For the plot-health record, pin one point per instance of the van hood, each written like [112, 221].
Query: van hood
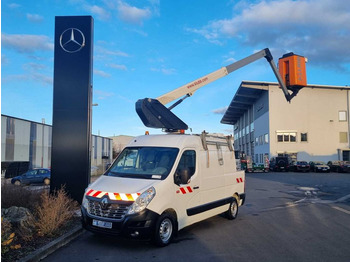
[122, 184]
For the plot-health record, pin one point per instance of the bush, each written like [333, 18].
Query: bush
[19, 196]
[53, 212]
[7, 237]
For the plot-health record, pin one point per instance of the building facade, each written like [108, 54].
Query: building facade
[314, 126]
[24, 140]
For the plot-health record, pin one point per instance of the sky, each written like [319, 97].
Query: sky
[150, 47]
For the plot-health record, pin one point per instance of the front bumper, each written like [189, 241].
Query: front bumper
[140, 225]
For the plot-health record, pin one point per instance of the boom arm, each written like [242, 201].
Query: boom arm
[191, 87]
[154, 114]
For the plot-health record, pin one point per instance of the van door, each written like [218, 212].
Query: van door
[187, 194]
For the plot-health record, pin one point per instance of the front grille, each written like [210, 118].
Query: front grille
[113, 211]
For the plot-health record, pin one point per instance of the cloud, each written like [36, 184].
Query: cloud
[132, 14]
[32, 72]
[318, 29]
[34, 18]
[104, 51]
[100, 12]
[119, 67]
[14, 5]
[101, 73]
[102, 94]
[220, 111]
[27, 43]
[44, 79]
[34, 67]
[165, 71]
[36, 77]
[4, 60]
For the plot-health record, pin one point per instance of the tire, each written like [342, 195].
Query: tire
[17, 183]
[232, 211]
[47, 181]
[164, 230]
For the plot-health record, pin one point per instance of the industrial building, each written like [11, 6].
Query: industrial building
[24, 140]
[314, 126]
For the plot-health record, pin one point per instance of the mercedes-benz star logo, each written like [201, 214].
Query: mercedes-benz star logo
[72, 40]
[104, 203]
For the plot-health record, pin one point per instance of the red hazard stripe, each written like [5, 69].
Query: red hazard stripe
[88, 193]
[183, 191]
[189, 189]
[97, 193]
[241, 179]
[237, 180]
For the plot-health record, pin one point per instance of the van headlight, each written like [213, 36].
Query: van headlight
[142, 201]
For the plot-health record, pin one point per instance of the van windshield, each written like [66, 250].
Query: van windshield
[144, 162]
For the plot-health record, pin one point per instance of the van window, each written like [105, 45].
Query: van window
[187, 161]
[144, 162]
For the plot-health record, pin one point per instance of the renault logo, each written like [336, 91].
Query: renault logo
[104, 203]
[72, 40]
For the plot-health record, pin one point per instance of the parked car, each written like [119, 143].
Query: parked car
[300, 166]
[38, 175]
[339, 166]
[319, 166]
[279, 163]
[257, 168]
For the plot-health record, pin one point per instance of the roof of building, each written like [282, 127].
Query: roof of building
[249, 91]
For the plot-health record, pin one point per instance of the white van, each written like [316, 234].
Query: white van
[160, 184]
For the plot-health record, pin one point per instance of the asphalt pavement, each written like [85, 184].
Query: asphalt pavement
[286, 217]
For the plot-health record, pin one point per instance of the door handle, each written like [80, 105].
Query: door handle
[195, 187]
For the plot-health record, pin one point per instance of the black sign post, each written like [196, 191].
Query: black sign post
[71, 124]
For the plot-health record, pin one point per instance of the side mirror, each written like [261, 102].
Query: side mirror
[182, 176]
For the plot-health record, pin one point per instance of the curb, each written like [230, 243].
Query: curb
[51, 247]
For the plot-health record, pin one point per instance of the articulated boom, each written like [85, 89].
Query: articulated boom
[154, 114]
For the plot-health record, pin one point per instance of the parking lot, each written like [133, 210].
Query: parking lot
[286, 217]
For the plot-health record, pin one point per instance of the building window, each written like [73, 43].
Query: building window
[303, 137]
[279, 137]
[260, 140]
[257, 141]
[293, 137]
[266, 138]
[343, 137]
[342, 116]
[287, 137]
[252, 127]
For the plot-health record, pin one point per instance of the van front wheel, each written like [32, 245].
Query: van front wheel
[232, 211]
[164, 230]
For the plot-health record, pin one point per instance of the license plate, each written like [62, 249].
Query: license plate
[103, 224]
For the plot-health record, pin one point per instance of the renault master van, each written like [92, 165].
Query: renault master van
[160, 184]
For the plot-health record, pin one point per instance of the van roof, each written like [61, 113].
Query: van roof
[167, 140]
